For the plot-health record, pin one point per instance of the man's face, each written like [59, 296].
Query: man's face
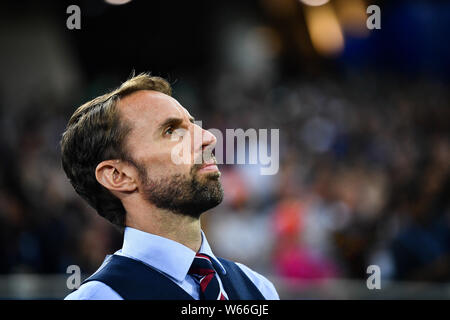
[160, 129]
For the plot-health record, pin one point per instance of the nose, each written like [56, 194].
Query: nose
[204, 141]
[208, 140]
[203, 144]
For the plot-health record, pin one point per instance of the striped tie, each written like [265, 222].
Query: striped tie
[203, 269]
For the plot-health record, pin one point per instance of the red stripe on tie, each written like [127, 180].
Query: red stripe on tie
[199, 255]
[205, 281]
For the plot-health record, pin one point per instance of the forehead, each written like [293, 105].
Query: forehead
[150, 108]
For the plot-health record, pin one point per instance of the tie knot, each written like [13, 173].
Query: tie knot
[201, 265]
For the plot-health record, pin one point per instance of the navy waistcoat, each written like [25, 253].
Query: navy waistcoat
[134, 280]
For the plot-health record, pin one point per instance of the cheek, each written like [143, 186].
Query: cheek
[183, 152]
[160, 165]
[160, 158]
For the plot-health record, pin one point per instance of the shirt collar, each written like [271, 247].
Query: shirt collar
[165, 255]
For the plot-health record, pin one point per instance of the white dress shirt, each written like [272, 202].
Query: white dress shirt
[168, 257]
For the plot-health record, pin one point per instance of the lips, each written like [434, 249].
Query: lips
[207, 163]
[209, 167]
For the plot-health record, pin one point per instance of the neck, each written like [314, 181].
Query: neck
[180, 228]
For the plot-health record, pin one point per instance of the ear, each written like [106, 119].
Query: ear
[116, 175]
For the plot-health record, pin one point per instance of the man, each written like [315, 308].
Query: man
[118, 152]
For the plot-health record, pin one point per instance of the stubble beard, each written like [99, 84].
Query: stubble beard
[189, 195]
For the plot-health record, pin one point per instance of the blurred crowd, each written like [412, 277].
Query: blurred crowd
[363, 179]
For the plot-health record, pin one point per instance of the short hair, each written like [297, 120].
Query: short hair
[96, 132]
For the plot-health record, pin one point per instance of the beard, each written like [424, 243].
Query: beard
[188, 195]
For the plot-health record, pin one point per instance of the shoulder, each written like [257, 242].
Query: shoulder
[94, 290]
[262, 283]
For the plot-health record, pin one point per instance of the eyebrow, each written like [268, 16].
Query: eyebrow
[175, 122]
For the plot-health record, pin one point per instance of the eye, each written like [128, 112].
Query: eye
[169, 130]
